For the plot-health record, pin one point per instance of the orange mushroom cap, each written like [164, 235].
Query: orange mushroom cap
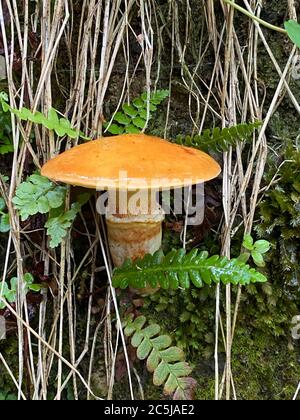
[131, 161]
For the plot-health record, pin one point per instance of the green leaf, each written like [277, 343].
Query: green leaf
[258, 258]
[122, 118]
[28, 278]
[4, 223]
[37, 117]
[129, 110]
[159, 96]
[143, 114]
[151, 330]
[60, 131]
[61, 126]
[161, 373]
[14, 284]
[57, 227]
[5, 107]
[131, 129]
[153, 360]
[115, 129]
[139, 322]
[35, 287]
[145, 96]
[129, 329]
[218, 140]
[244, 257]
[65, 124]
[196, 266]
[4, 97]
[64, 127]
[196, 278]
[171, 385]
[248, 242]
[11, 296]
[53, 117]
[57, 230]
[181, 369]
[43, 205]
[293, 30]
[25, 114]
[4, 289]
[165, 362]
[139, 122]
[38, 195]
[144, 349]
[2, 204]
[172, 354]
[133, 117]
[262, 246]
[137, 339]
[138, 103]
[56, 197]
[161, 342]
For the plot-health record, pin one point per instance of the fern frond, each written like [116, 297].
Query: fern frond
[179, 269]
[133, 117]
[167, 363]
[52, 121]
[219, 140]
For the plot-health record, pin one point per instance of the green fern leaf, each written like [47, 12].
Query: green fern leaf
[38, 195]
[165, 362]
[57, 227]
[129, 110]
[133, 117]
[178, 269]
[61, 126]
[218, 140]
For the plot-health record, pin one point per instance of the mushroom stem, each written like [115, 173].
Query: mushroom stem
[135, 234]
[133, 237]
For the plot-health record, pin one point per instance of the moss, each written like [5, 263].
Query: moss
[264, 367]
[9, 348]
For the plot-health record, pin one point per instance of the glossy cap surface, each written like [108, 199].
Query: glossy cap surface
[131, 161]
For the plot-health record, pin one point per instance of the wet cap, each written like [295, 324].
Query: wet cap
[135, 161]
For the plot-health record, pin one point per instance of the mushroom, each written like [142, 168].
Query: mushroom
[132, 168]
